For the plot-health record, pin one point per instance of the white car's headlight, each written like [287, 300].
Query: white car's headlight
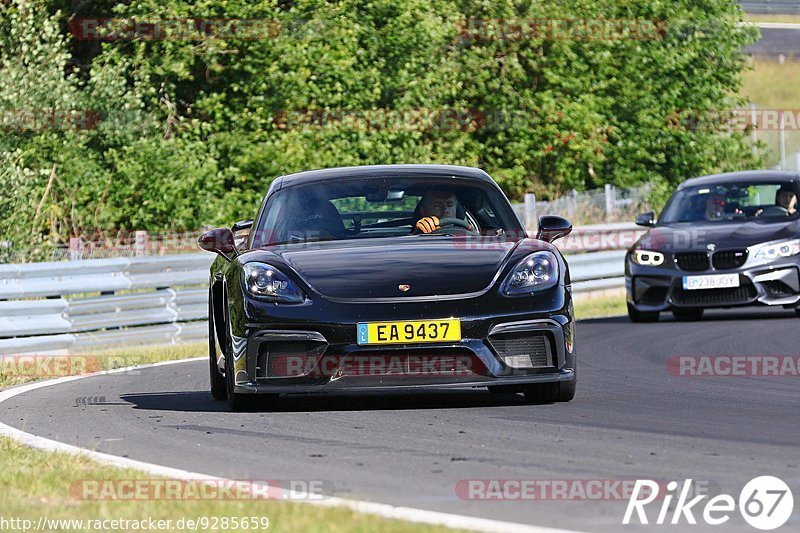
[781, 249]
[537, 271]
[266, 282]
[647, 258]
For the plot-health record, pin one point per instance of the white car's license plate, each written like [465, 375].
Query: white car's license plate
[714, 281]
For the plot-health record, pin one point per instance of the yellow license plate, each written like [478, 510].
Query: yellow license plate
[414, 331]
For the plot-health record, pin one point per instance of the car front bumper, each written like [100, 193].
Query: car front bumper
[651, 288]
[330, 359]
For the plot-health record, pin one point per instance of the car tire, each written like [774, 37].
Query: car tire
[688, 315]
[797, 311]
[642, 316]
[540, 393]
[219, 389]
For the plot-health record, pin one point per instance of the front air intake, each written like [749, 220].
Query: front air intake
[523, 349]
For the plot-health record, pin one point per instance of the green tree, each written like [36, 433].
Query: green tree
[192, 131]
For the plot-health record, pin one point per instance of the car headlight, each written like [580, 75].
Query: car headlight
[537, 271]
[267, 282]
[781, 249]
[647, 258]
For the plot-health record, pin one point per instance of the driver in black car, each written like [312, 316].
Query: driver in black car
[435, 205]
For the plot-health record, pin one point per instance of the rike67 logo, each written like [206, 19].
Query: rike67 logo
[765, 503]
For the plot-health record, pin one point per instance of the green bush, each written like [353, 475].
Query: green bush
[192, 132]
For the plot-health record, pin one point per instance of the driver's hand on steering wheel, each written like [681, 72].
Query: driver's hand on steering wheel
[428, 224]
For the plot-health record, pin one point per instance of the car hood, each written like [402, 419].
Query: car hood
[376, 268]
[723, 235]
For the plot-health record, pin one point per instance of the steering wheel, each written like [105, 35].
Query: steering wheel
[775, 211]
[455, 222]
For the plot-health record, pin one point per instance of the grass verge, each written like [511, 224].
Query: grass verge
[757, 17]
[40, 485]
[611, 303]
[772, 85]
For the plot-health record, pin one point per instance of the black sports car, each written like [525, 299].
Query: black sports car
[722, 241]
[384, 278]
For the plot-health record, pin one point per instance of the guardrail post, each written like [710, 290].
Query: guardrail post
[75, 248]
[572, 203]
[782, 139]
[530, 212]
[611, 200]
[140, 243]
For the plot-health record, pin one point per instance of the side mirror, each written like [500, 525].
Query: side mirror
[552, 228]
[219, 241]
[648, 220]
[242, 224]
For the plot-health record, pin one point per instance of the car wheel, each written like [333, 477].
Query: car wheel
[688, 315]
[549, 392]
[642, 316]
[797, 311]
[219, 389]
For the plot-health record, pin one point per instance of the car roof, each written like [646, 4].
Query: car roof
[330, 174]
[743, 176]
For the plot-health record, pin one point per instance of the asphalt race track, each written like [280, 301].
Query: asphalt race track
[631, 419]
[776, 41]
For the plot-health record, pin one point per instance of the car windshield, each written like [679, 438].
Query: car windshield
[757, 200]
[377, 207]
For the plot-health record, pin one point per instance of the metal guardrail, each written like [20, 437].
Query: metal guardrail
[162, 300]
[168, 303]
[597, 271]
[789, 7]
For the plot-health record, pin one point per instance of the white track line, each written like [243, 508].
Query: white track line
[778, 25]
[408, 514]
